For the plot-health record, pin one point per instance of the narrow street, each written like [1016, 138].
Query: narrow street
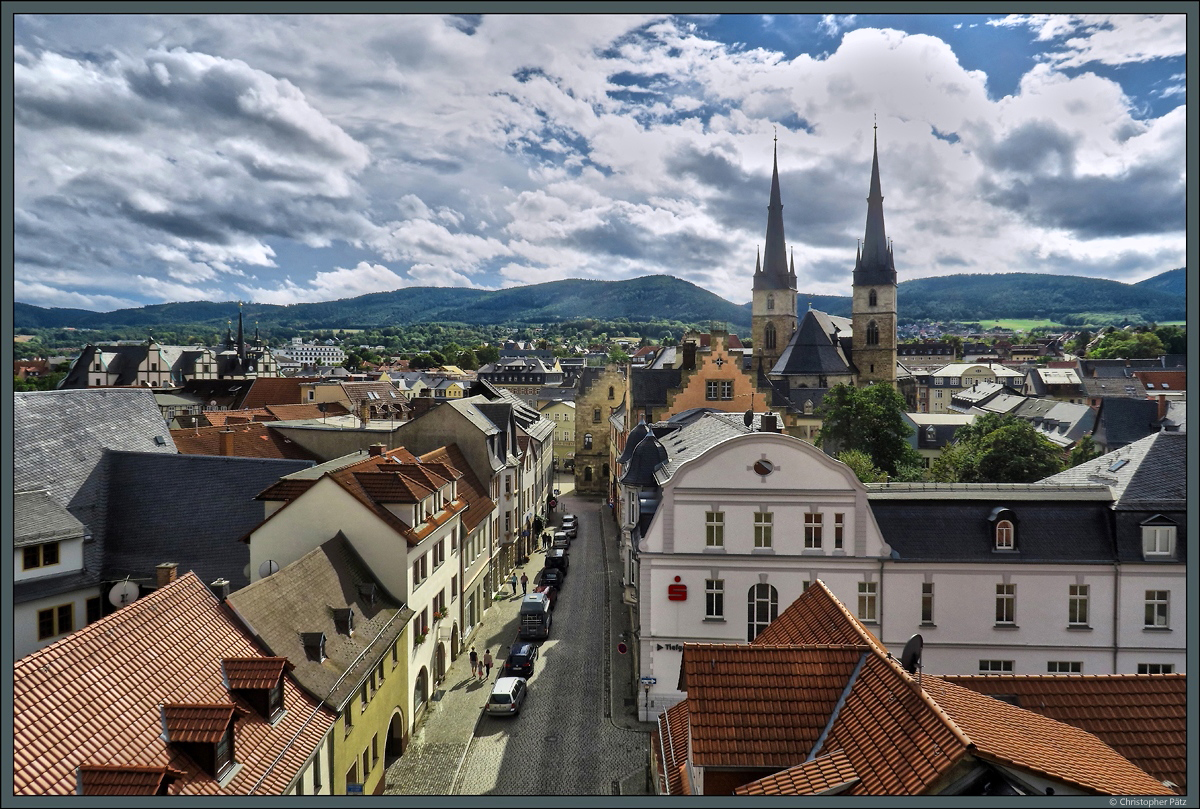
[578, 733]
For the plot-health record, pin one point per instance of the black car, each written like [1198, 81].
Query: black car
[553, 577]
[519, 662]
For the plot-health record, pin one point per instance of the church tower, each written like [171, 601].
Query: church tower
[873, 310]
[773, 304]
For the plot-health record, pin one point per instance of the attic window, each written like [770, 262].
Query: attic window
[343, 621]
[96, 780]
[1165, 386]
[1117, 464]
[314, 645]
[204, 731]
[1004, 530]
[258, 680]
[367, 592]
[1158, 537]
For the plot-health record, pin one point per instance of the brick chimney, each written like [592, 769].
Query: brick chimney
[166, 573]
[689, 356]
[220, 588]
[364, 412]
[768, 423]
[376, 450]
[1163, 406]
[226, 437]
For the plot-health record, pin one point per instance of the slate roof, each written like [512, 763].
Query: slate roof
[1141, 716]
[813, 349]
[768, 702]
[1060, 423]
[1124, 420]
[38, 518]
[95, 697]
[1154, 474]
[193, 512]
[254, 440]
[648, 387]
[1114, 387]
[74, 472]
[301, 598]
[921, 528]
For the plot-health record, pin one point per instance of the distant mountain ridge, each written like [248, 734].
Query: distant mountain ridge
[652, 297]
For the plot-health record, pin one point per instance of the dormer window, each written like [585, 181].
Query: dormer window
[1004, 529]
[343, 621]
[1158, 537]
[258, 680]
[314, 645]
[204, 731]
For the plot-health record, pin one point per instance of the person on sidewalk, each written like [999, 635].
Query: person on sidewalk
[512, 580]
[474, 661]
[524, 583]
[487, 661]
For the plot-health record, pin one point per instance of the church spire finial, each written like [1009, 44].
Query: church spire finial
[757, 260]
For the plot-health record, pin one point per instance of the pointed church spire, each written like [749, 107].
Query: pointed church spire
[775, 268]
[757, 260]
[875, 265]
[241, 345]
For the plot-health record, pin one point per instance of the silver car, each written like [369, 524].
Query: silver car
[508, 695]
[570, 524]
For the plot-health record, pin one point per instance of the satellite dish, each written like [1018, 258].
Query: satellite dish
[267, 568]
[748, 418]
[910, 658]
[122, 593]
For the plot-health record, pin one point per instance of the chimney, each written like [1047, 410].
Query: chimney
[1162, 407]
[220, 588]
[376, 450]
[768, 423]
[364, 412]
[226, 442]
[689, 356]
[166, 573]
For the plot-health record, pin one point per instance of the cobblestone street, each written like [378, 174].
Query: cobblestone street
[578, 733]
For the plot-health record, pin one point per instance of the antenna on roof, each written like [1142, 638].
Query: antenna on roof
[910, 658]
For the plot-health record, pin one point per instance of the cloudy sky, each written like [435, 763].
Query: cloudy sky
[285, 159]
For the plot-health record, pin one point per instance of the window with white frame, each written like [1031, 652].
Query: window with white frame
[812, 531]
[1006, 604]
[714, 529]
[712, 390]
[995, 667]
[762, 607]
[867, 602]
[839, 531]
[763, 521]
[1158, 540]
[1158, 604]
[727, 389]
[714, 599]
[926, 602]
[1004, 535]
[1077, 605]
[1064, 667]
[1156, 668]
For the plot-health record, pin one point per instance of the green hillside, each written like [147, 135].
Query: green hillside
[1172, 282]
[967, 298]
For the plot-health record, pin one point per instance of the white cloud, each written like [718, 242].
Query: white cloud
[1112, 39]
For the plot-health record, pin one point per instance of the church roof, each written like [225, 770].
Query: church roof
[774, 272]
[875, 264]
[812, 349]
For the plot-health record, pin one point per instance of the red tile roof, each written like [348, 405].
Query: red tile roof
[197, 722]
[94, 697]
[126, 780]
[767, 705]
[669, 746]
[255, 440]
[823, 775]
[253, 672]
[220, 418]
[294, 412]
[1141, 716]
[277, 390]
[479, 501]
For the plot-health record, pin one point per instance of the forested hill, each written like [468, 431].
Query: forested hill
[653, 297]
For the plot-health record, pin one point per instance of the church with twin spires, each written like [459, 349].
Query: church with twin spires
[802, 358]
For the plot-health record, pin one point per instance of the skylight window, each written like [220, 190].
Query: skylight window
[1117, 464]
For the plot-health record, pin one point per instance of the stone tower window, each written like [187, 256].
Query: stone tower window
[872, 299]
[769, 335]
[770, 302]
[872, 329]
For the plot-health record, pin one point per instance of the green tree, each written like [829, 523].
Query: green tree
[869, 419]
[997, 449]
[1174, 339]
[1119, 344]
[1079, 345]
[487, 354]
[1085, 449]
[468, 361]
[618, 356]
[860, 463]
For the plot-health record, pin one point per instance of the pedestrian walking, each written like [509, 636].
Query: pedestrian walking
[474, 661]
[512, 580]
[524, 583]
[482, 675]
[487, 661]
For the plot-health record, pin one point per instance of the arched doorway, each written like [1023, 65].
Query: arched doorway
[421, 690]
[440, 662]
[454, 647]
[397, 738]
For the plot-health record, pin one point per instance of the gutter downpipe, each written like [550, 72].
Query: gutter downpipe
[1116, 611]
[881, 560]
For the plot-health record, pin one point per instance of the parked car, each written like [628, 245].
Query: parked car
[558, 558]
[570, 524]
[561, 540]
[552, 577]
[519, 662]
[551, 593]
[508, 695]
[535, 616]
